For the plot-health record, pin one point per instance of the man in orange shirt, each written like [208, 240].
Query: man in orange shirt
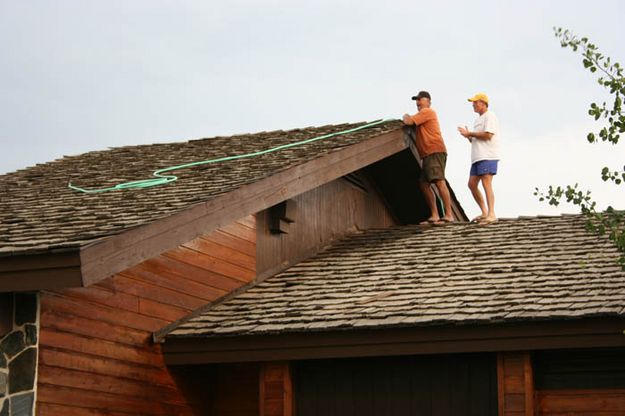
[433, 153]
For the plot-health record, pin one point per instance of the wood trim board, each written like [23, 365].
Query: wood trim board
[400, 341]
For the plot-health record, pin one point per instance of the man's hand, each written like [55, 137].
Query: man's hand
[465, 132]
[407, 119]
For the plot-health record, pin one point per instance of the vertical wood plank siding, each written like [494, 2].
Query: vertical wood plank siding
[96, 355]
[515, 384]
[434, 385]
[322, 215]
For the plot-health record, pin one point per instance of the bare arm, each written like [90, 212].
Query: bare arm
[407, 119]
[482, 135]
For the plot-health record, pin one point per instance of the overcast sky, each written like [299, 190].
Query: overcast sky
[86, 75]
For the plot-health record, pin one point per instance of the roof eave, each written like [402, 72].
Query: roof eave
[529, 335]
[44, 270]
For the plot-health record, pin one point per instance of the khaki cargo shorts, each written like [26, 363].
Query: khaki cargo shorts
[433, 168]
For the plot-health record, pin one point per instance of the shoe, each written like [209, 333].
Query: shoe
[487, 221]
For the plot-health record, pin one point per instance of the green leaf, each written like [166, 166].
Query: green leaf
[611, 222]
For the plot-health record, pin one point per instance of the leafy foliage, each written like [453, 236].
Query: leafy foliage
[610, 222]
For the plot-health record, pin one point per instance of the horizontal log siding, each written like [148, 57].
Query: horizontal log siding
[96, 354]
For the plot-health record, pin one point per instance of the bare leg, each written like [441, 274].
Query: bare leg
[487, 183]
[477, 195]
[429, 199]
[444, 191]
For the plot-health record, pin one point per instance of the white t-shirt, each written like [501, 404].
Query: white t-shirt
[485, 149]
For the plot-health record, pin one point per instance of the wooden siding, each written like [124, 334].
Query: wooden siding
[323, 215]
[515, 384]
[580, 382]
[436, 385]
[96, 354]
[595, 402]
[577, 369]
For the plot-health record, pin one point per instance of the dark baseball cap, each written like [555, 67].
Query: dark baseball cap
[421, 95]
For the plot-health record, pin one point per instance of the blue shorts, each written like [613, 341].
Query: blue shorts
[484, 167]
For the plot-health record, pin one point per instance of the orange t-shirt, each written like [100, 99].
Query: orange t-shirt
[429, 138]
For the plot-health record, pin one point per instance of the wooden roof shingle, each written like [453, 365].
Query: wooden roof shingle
[39, 213]
[539, 268]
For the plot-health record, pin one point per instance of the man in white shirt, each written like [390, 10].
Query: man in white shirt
[484, 141]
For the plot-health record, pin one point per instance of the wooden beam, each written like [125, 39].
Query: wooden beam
[26, 280]
[500, 385]
[275, 389]
[40, 271]
[515, 383]
[528, 372]
[44, 260]
[401, 341]
[117, 253]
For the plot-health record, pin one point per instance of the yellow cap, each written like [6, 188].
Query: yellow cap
[480, 96]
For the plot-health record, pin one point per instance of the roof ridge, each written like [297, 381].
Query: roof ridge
[185, 141]
[267, 132]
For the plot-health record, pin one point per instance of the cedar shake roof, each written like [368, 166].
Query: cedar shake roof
[542, 268]
[39, 213]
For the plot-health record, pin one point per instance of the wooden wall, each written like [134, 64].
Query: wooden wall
[96, 355]
[580, 382]
[323, 215]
